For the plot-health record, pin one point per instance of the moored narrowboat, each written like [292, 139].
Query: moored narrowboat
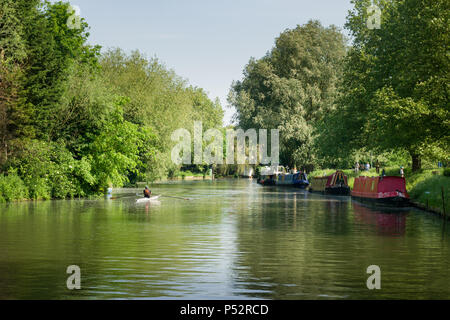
[301, 180]
[279, 177]
[335, 184]
[268, 175]
[381, 191]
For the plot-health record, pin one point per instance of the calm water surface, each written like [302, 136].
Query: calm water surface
[233, 240]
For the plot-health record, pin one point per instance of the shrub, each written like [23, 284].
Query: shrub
[447, 172]
[12, 188]
[50, 171]
[186, 173]
[61, 186]
[39, 189]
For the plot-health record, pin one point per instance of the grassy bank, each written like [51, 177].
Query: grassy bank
[424, 187]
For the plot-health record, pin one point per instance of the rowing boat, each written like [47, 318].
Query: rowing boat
[143, 200]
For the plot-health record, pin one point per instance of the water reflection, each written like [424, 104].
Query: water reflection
[386, 222]
[234, 240]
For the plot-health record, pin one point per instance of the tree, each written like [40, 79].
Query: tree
[292, 88]
[12, 57]
[72, 126]
[118, 149]
[159, 100]
[53, 48]
[396, 83]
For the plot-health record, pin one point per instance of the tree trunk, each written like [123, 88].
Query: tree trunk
[416, 162]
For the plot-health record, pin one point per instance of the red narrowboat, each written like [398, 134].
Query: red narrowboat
[381, 191]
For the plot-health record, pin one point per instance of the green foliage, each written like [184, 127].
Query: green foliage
[117, 149]
[292, 88]
[447, 172]
[394, 93]
[12, 56]
[72, 125]
[12, 188]
[52, 49]
[49, 170]
[187, 173]
[426, 188]
[12, 44]
[159, 100]
[82, 110]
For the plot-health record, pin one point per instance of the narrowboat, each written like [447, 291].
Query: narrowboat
[381, 191]
[335, 184]
[279, 177]
[267, 176]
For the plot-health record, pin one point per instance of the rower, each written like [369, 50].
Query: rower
[147, 192]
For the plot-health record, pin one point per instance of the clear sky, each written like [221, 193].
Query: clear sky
[207, 42]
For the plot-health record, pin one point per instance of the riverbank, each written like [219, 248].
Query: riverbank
[424, 187]
[14, 189]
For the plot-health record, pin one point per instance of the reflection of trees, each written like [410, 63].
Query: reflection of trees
[309, 248]
[254, 241]
[290, 246]
[119, 252]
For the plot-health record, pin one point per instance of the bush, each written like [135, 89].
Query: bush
[50, 171]
[187, 173]
[12, 188]
[61, 186]
[447, 172]
[39, 189]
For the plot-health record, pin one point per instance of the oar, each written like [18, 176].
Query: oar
[119, 197]
[187, 199]
[175, 197]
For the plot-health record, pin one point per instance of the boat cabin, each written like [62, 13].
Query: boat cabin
[389, 190]
[336, 184]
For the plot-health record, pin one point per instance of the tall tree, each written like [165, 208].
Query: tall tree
[158, 99]
[395, 91]
[12, 57]
[292, 88]
[53, 48]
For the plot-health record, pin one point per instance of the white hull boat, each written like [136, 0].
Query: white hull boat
[143, 200]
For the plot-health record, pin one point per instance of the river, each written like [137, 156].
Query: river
[233, 240]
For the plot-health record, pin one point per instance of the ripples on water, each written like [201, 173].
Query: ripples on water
[233, 240]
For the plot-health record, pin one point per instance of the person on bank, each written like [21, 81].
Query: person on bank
[377, 166]
[147, 192]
